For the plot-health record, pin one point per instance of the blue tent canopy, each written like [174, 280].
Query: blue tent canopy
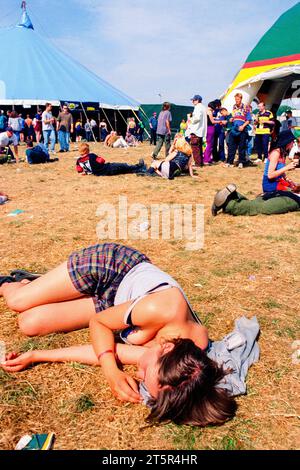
[34, 71]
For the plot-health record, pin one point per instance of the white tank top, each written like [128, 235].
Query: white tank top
[142, 280]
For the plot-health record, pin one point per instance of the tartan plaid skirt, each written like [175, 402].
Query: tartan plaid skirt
[98, 270]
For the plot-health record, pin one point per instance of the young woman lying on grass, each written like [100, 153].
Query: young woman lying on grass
[177, 162]
[111, 287]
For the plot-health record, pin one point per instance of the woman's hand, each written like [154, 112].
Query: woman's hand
[124, 387]
[15, 362]
[290, 166]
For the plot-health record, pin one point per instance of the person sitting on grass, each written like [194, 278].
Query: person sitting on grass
[178, 161]
[36, 154]
[111, 287]
[130, 140]
[274, 178]
[110, 139]
[92, 164]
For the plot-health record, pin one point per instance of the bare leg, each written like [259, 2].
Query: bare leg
[57, 317]
[55, 286]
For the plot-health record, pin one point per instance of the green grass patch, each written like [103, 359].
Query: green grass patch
[271, 303]
[185, 437]
[230, 443]
[46, 342]
[84, 403]
[17, 395]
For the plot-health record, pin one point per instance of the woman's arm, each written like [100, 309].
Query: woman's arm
[171, 155]
[122, 385]
[16, 362]
[190, 168]
[211, 118]
[272, 172]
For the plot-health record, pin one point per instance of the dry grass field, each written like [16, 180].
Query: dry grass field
[248, 266]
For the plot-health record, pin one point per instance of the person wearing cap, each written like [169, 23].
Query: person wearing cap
[6, 139]
[274, 178]
[153, 128]
[163, 130]
[289, 123]
[197, 129]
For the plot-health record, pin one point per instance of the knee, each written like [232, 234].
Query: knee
[28, 324]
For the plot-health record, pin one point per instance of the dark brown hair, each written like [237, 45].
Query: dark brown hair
[189, 392]
[166, 106]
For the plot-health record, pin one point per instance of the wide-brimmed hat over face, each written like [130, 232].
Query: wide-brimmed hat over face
[284, 138]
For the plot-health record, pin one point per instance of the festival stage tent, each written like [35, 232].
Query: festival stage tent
[34, 71]
[272, 70]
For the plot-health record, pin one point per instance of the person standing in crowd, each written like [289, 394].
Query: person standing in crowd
[65, 127]
[78, 130]
[103, 130]
[48, 128]
[94, 126]
[218, 130]
[211, 121]
[15, 123]
[38, 126]
[3, 121]
[289, 123]
[197, 129]
[29, 130]
[140, 131]
[131, 126]
[6, 138]
[153, 128]
[163, 130]
[183, 127]
[22, 132]
[88, 131]
[238, 137]
[264, 125]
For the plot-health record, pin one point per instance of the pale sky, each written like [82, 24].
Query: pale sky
[150, 47]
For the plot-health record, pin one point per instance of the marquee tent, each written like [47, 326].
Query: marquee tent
[272, 70]
[34, 71]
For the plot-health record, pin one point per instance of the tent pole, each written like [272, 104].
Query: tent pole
[140, 121]
[115, 116]
[86, 117]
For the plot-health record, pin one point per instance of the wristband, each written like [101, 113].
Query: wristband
[104, 352]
